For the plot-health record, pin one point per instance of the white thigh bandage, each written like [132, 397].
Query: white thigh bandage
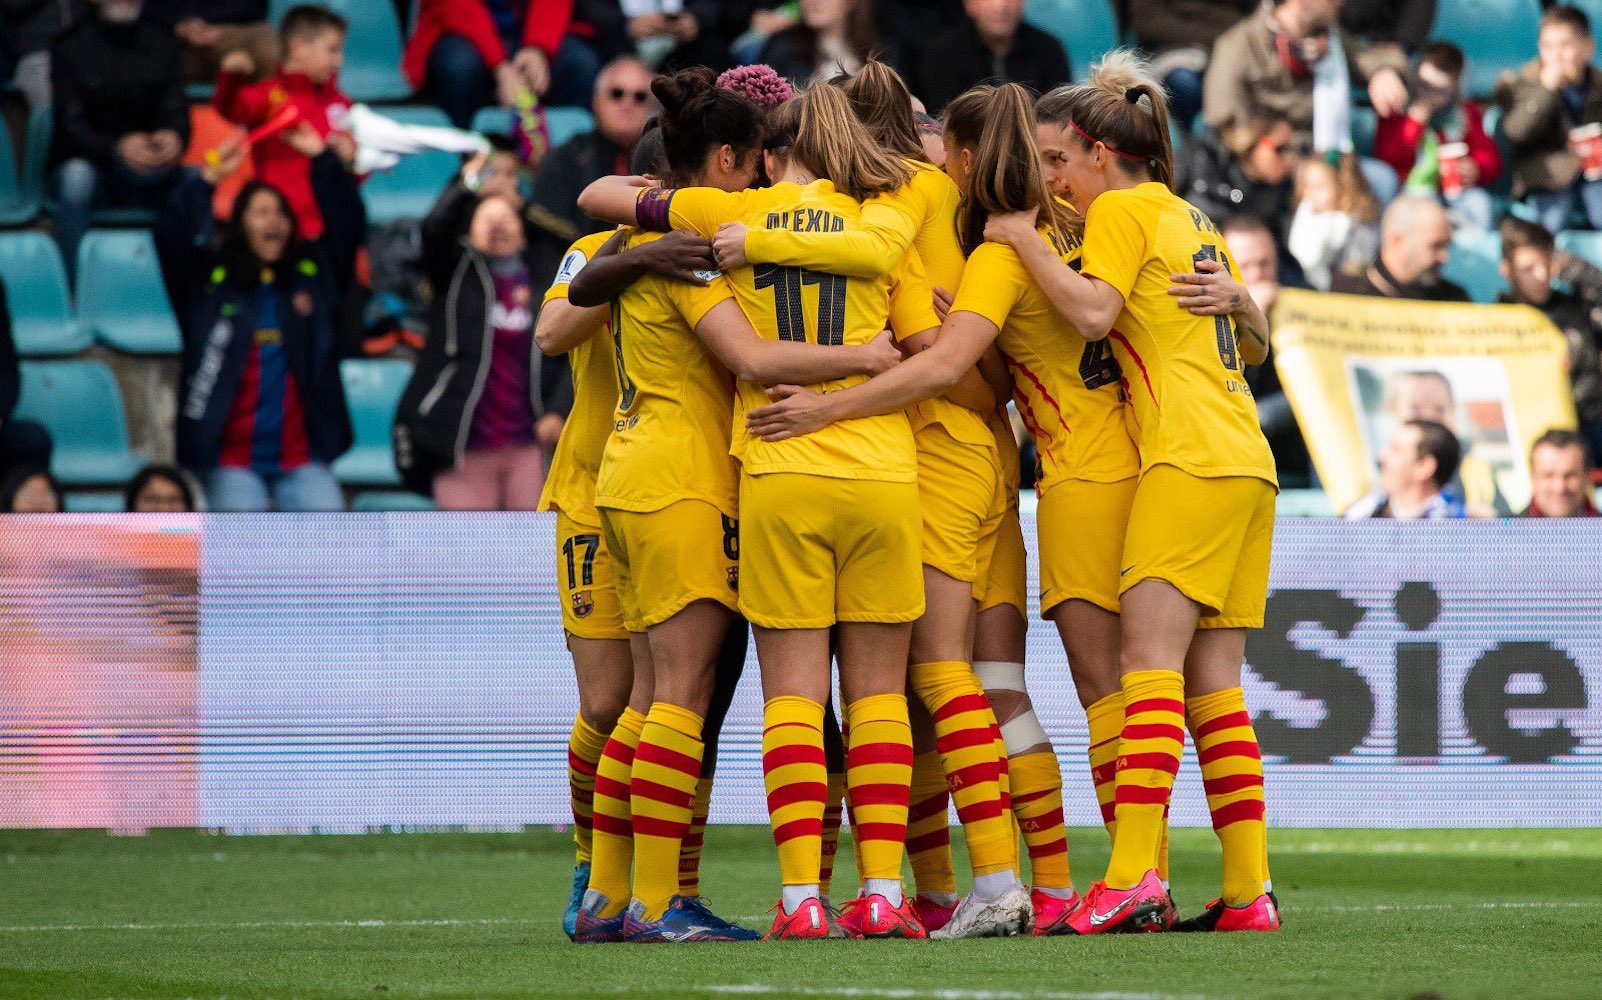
[1025, 731]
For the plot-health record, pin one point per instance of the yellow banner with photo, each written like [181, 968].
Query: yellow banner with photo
[1354, 368]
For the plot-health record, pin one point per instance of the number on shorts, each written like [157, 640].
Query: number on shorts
[585, 571]
[731, 539]
[786, 283]
[1222, 326]
[1097, 366]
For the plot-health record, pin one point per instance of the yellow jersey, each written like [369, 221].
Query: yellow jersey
[796, 304]
[1186, 380]
[670, 430]
[1067, 391]
[570, 485]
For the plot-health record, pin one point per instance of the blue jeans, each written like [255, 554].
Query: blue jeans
[1184, 95]
[82, 187]
[1553, 208]
[312, 487]
[460, 83]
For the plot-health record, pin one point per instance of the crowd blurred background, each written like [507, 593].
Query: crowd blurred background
[192, 321]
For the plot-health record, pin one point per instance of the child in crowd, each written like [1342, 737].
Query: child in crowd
[1336, 223]
[1439, 144]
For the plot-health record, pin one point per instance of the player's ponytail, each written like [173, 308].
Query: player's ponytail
[1122, 106]
[882, 101]
[698, 117]
[824, 136]
[997, 126]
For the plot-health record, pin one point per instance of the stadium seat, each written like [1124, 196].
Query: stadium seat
[372, 49]
[385, 501]
[121, 298]
[565, 123]
[1365, 123]
[409, 189]
[1086, 28]
[493, 121]
[1303, 503]
[372, 390]
[94, 503]
[78, 402]
[18, 204]
[1474, 264]
[1495, 35]
[1585, 244]
[42, 322]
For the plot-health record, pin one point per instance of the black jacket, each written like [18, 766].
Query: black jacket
[553, 212]
[32, 25]
[436, 410]
[1377, 282]
[1578, 313]
[1405, 22]
[110, 80]
[215, 307]
[170, 12]
[1213, 179]
[10, 370]
[957, 59]
[794, 58]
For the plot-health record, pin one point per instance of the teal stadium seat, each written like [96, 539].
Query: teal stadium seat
[410, 188]
[121, 298]
[42, 322]
[1585, 244]
[1365, 123]
[388, 501]
[79, 404]
[562, 123]
[372, 48]
[372, 391]
[1086, 28]
[1474, 264]
[94, 503]
[1495, 35]
[18, 204]
[493, 121]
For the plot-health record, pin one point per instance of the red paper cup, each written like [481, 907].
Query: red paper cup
[1452, 156]
[1586, 141]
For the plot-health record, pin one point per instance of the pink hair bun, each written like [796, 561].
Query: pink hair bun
[759, 84]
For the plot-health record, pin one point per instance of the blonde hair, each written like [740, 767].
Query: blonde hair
[998, 125]
[826, 136]
[1123, 107]
[880, 98]
[1353, 196]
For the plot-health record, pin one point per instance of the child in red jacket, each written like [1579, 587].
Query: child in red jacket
[1439, 144]
[314, 49]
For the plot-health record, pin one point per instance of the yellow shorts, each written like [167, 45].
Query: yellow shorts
[963, 498]
[1210, 538]
[590, 608]
[815, 551]
[665, 559]
[1008, 579]
[1082, 530]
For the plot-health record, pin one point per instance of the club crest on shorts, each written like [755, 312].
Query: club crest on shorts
[734, 578]
[583, 604]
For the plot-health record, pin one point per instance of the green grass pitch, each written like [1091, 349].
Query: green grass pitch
[1368, 914]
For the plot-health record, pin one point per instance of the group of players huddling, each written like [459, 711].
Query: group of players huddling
[791, 365]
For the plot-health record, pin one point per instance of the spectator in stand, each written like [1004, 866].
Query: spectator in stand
[1387, 31]
[1245, 169]
[1531, 263]
[484, 407]
[122, 120]
[1266, 66]
[468, 54]
[1415, 468]
[261, 408]
[992, 44]
[1560, 477]
[210, 29]
[32, 26]
[1415, 241]
[1440, 145]
[159, 489]
[1336, 226]
[1180, 34]
[313, 40]
[768, 18]
[622, 105]
[23, 443]
[832, 37]
[1549, 105]
[31, 490]
[666, 34]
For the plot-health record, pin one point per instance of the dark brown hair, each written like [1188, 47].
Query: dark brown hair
[1122, 106]
[698, 116]
[1517, 234]
[308, 21]
[1562, 437]
[998, 125]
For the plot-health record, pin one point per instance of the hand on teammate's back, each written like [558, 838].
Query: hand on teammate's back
[1210, 290]
[680, 255]
[1012, 228]
[730, 245]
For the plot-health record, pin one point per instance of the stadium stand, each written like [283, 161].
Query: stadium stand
[1475, 264]
[19, 202]
[1490, 53]
[121, 299]
[79, 403]
[42, 319]
[1585, 244]
[372, 48]
[407, 190]
[562, 123]
[372, 390]
[1086, 28]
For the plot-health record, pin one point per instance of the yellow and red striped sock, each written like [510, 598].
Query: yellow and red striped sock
[1232, 774]
[965, 739]
[797, 782]
[584, 748]
[667, 768]
[879, 779]
[612, 848]
[929, 827]
[1106, 720]
[690, 850]
[1148, 758]
[1003, 777]
[1037, 804]
[832, 808]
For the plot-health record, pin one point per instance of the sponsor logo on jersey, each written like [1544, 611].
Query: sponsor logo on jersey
[572, 264]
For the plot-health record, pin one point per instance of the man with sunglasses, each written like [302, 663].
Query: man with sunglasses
[621, 103]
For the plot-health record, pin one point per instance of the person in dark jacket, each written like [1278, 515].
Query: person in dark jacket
[31, 28]
[122, 119]
[23, 443]
[832, 37]
[1245, 170]
[1415, 241]
[992, 44]
[1180, 34]
[208, 30]
[484, 406]
[1387, 31]
[261, 408]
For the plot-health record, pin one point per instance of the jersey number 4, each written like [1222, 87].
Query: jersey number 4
[1222, 326]
[787, 283]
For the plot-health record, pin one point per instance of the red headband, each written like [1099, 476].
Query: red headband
[1111, 149]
